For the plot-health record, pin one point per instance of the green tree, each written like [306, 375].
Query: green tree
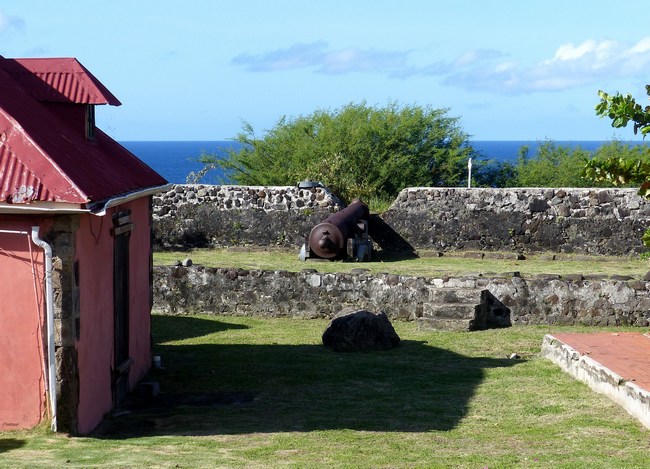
[552, 166]
[627, 167]
[493, 173]
[357, 151]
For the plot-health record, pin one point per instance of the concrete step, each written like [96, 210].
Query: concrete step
[455, 295]
[448, 317]
[442, 324]
[450, 311]
[454, 309]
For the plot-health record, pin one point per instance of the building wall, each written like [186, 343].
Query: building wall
[23, 400]
[94, 254]
[140, 290]
[94, 251]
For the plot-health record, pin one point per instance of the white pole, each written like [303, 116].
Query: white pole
[469, 173]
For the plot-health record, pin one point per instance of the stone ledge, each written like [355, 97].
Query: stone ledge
[634, 399]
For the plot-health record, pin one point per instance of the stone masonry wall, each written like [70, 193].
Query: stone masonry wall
[589, 221]
[211, 216]
[310, 294]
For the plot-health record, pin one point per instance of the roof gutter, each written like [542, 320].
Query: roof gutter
[101, 208]
[97, 208]
[36, 209]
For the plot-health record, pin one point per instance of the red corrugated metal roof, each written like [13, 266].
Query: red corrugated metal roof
[19, 184]
[59, 80]
[44, 159]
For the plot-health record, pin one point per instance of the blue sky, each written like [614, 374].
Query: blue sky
[194, 70]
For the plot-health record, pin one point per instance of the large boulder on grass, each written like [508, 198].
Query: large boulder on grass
[355, 331]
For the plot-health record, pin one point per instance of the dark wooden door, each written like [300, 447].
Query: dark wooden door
[122, 362]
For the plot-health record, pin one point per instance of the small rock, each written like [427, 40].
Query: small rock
[538, 205]
[360, 331]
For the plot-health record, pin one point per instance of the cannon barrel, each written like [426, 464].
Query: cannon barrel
[329, 238]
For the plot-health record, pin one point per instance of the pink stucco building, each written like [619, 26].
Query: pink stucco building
[75, 255]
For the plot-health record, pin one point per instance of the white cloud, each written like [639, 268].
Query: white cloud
[641, 47]
[474, 57]
[589, 62]
[317, 55]
[360, 60]
[571, 65]
[296, 56]
[504, 67]
[8, 23]
[572, 52]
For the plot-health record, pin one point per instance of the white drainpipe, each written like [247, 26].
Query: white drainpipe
[49, 310]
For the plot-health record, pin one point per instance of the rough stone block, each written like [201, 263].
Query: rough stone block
[356, 331]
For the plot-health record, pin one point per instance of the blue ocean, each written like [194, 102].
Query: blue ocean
[174, 160]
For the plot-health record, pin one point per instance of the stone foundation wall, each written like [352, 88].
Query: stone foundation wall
[310, 294]
[589, 221]
[213, 216]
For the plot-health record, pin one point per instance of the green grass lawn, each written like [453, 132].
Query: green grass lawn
[426, 265]
[252, 392]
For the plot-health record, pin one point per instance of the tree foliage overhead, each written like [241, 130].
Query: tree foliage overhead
[622, 109]
[625, 168]
[357, 151]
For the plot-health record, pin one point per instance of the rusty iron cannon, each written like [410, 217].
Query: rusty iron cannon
[342, 234]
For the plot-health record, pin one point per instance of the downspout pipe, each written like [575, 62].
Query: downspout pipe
[49, 311]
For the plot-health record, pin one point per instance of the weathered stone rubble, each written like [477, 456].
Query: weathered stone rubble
[545, 299]
[588, 221]
[210, 216]
[358, 331]
[233, 197]
[591, 221]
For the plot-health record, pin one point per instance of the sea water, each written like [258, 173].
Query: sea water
[175, 160]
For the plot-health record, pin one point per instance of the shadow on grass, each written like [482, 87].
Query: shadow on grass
[211, 389]
[7, 444]
[169, 328]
